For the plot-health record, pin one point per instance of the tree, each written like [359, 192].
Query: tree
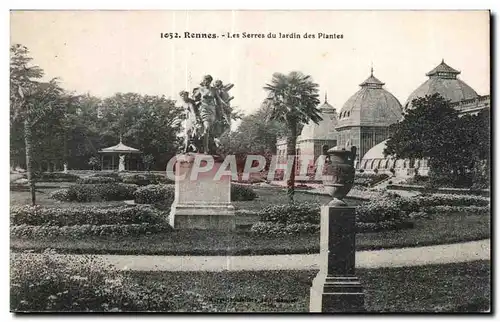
[293, 101]
[149, 123]
[31, 101]
[435, 131]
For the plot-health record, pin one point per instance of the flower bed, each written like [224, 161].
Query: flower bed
[242, 193]
[37, 215]
[164, 194]
[95, 192]
[95, 180]
[378, 215]
[368, 179]
[48, 283]
[56, 177]
[144, 179]
[84, 231]
[153, 194]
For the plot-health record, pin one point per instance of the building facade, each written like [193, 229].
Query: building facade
[442, 80]
[365, 118]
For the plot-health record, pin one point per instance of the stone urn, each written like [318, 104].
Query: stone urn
[338, 174]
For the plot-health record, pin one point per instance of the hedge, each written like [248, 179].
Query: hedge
[280, 229]
[56, 177]
[368, 179]
[152, 194]
[95, 192]
[164, 194]
[84, 231]
[377, 215]
[95, 180]
[48, 283]
[114, 175]
[37, 215]
[144, 179]
[242, 193]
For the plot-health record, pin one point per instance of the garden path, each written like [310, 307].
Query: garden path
[439, 254]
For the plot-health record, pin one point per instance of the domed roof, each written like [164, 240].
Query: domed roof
[443, 80]
[325, 129]
[372, 105]
[376, 152]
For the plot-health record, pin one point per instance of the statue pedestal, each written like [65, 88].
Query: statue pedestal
[203, 202]
[336, 288]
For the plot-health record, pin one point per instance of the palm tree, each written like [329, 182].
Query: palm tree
[293, 100]
[30, 101]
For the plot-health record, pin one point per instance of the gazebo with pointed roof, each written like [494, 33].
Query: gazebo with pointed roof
[122, 151]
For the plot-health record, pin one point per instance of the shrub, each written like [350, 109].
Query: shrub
[152, 194]
[381, 210]
[377, 215]
[291, 213]
[114, 175]
[242, 193]
[84, 231]
[56, 177]
[95, 180]
[96, 192]
[37, 215]
[144, 179]
[280, 229]
[60, 194]
[47, 283]
[418, 202]
[368, 179]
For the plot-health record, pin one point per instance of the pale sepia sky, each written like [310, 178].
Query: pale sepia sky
[103, 52]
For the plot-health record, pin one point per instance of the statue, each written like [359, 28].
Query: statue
[208, 115]
[192, 127]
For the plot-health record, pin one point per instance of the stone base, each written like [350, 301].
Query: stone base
[203, 216]
[336, 294]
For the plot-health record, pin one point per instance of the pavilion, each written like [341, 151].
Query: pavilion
[124, 154]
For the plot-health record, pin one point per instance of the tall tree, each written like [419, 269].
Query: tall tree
[31, 101]
[293, 100]
[435, 131]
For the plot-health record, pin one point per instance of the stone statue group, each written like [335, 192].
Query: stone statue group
[208, 115]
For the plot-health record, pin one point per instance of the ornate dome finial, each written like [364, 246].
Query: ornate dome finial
[442, 60]
[371, 70]
[326, 97]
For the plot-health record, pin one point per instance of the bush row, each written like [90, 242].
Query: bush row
[281, 229]
[153, 194]
[96, 180]
[56, 177]
[242, 193]
[381, 214]
[84, 231]
[95, 192]
[140, 179]
[48, 283]
[37, 215]
[368, 179]
[164, 194]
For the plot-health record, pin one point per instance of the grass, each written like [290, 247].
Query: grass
[432, 288]
[442, 229]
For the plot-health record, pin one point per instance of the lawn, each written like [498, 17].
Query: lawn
[459, 287]
[433, 288]
[442, 229]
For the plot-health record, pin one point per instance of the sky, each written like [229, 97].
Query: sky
[104, 52]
